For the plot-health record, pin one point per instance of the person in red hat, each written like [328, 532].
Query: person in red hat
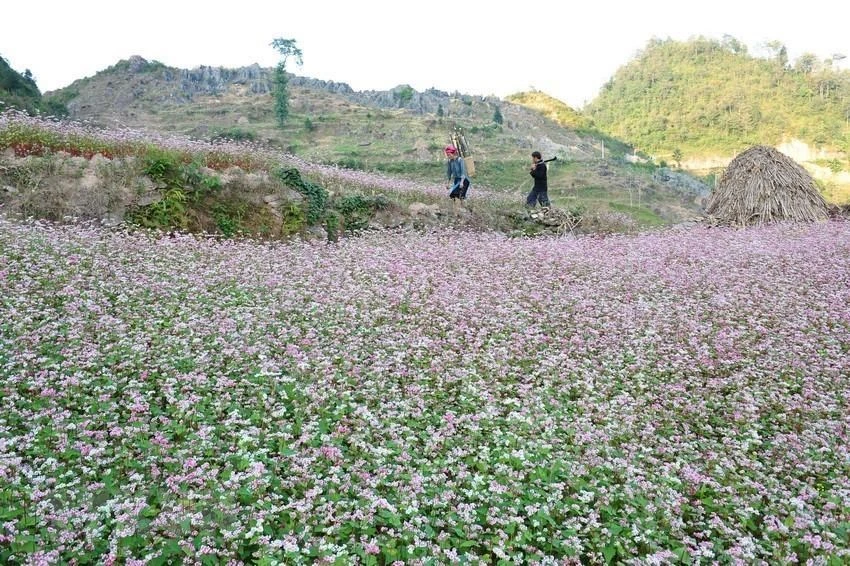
[458, 180]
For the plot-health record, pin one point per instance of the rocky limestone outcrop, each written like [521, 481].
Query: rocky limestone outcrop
[181, 85]
[215, 80]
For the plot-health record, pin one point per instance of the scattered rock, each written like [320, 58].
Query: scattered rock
[144, 185]
[137, 64]
[390, 218]
[292, 194]
[256, 180]
[316, 234]
[10, 190]
[149, 198]
[215, 80]
[422, 209]
[274, 199]
[275, 211]
[112, 220]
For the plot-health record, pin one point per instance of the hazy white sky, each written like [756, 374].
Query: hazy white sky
[567, 49]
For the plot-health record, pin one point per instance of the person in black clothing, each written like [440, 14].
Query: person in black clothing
[540, 191]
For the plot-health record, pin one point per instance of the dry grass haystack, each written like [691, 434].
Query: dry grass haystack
[762, 185]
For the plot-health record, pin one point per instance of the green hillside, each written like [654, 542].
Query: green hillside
[706, 97]
[20, 91]
[551, 108]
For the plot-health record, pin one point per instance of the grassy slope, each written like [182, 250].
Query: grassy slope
[328, 128]
[705, 98]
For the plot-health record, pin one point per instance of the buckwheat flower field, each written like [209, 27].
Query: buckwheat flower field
[37, 136]
[671, 397]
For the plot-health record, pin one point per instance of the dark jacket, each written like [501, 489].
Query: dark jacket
[539, 174]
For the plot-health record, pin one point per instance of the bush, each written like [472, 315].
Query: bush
[162, 166]
[316, 195]
[497, 116]
[351, 204]
[404, 95]
[357, 209]
[293, 219]
[55, 108]
[228, 218]
[181, 184]
[235, 134]
[349, 163]
[170, 212]
[332, 222]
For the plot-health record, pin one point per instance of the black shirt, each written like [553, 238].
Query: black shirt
[539, 174]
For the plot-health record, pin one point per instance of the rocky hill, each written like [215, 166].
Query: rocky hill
[400, 131]
[186, 84]
[135, 91]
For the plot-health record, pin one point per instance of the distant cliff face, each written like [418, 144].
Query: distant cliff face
[215, 80]
[137, 77]
[426, 102]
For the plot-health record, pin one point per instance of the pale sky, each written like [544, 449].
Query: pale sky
[566, 49]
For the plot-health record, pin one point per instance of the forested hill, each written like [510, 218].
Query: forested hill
[20, 91]
[707, 97]
[17, 89]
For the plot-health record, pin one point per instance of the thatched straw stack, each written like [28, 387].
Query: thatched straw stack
[762, 185]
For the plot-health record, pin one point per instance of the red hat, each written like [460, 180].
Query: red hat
[450, 149]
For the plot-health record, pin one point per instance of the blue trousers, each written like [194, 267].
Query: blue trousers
[541, 195]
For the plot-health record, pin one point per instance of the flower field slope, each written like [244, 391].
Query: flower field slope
[673, 397]
[28, 135]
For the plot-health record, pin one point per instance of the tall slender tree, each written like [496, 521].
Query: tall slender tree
[287, 49]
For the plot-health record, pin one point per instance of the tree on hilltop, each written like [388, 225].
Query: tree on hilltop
[287, 49]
